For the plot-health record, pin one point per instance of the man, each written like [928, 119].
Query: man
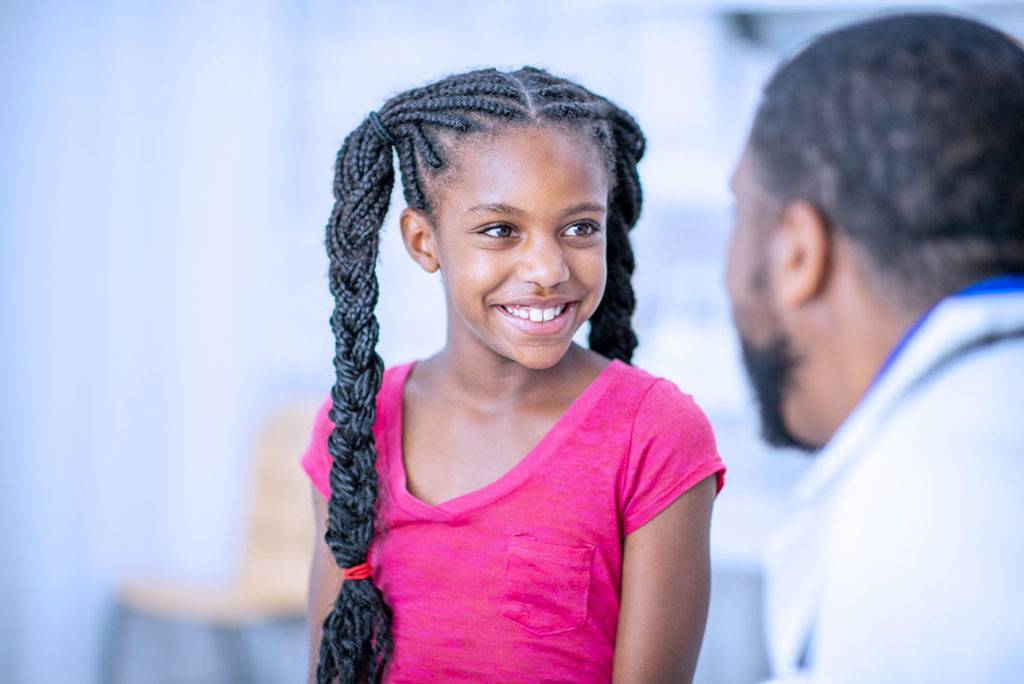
[875, 273]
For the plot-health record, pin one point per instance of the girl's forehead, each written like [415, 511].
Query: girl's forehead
[529, 166]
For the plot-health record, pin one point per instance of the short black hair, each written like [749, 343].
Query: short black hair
[907, 134]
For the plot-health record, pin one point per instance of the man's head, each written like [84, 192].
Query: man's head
[884, 171]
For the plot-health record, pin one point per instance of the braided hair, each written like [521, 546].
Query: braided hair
[421, 125]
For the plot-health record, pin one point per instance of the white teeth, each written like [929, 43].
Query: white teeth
[533, 314]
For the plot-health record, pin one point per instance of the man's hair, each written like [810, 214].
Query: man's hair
[907, 134]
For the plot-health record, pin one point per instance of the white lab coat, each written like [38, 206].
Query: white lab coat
[904, 560]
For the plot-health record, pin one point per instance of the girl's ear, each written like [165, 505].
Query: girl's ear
[419, 239]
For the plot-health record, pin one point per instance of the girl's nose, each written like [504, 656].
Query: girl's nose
[542, 262]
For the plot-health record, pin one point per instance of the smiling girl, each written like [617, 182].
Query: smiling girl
[514, 507]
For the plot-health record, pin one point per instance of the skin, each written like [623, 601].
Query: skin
[521, 218]
[788, 272]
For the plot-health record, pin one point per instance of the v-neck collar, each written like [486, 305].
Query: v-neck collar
[504, 485]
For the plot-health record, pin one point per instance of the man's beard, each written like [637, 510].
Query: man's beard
[770, 369]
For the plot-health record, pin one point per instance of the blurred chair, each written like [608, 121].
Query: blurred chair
[164, 631]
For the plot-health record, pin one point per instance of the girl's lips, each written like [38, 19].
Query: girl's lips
[531, 327]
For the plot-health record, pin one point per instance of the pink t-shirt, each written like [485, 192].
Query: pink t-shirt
[519, 580]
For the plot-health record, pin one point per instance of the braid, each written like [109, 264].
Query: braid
[357, 632]
[611, 328]
[417, 124]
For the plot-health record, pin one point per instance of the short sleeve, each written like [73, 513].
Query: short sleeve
[672, 448]
[316, 460]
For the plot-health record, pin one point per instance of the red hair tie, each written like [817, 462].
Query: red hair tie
[357, 572]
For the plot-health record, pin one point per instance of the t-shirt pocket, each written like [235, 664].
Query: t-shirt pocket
[546, 586]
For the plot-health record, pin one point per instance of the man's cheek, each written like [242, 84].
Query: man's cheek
[736, 266]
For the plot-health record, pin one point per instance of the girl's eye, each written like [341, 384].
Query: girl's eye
[499, 231]
[580, 230]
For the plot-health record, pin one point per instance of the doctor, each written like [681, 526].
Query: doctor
[876, 273]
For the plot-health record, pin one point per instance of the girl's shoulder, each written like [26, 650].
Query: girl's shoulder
[651, 397]
[391, 383]
[394, 379]
[671, 446]
[657, 414]
[316, 460]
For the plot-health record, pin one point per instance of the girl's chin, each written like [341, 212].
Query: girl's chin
[538, 358]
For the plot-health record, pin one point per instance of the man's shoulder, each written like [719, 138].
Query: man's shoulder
[948, 459]
[972, 401]
[925, 526]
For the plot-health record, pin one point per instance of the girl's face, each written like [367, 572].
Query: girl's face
[519, 237]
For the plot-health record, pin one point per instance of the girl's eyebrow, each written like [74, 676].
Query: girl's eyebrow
[584, 206]
[515, 211]
[498, 209]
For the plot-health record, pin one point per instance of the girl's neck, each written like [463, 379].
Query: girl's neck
[488, 381]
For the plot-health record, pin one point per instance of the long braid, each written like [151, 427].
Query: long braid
[419, 125]
[356, 640]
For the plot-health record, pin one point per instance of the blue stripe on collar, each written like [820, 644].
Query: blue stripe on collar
[1005, 283]
[996, 285]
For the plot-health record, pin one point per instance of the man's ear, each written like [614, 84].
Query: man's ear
[801, 254]
[419, 239]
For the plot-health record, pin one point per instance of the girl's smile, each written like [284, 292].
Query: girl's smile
[539, 317]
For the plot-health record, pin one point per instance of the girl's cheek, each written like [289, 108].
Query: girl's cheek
[591, 269]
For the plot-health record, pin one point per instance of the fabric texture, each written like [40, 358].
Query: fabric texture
[519, 580]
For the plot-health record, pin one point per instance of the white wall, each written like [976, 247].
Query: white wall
[139, 203]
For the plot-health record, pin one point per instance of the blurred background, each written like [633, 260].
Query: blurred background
[166, 172]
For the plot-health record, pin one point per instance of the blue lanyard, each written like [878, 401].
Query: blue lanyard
[996, 285]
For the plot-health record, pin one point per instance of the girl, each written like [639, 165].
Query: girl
[515, 507]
